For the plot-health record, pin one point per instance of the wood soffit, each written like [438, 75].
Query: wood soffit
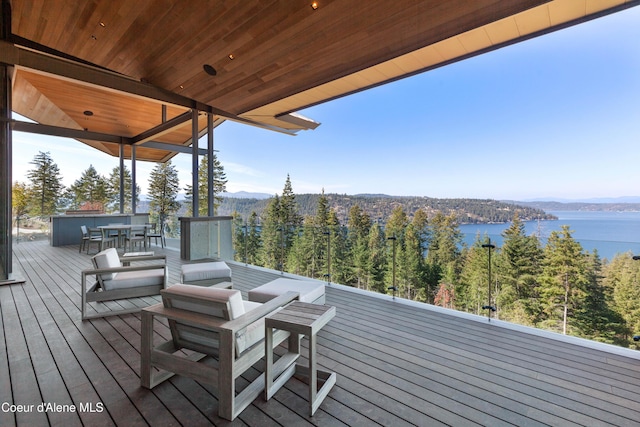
[286, 55]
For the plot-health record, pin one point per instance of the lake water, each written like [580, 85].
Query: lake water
[608, 232]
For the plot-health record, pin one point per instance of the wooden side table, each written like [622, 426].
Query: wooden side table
[298, 318]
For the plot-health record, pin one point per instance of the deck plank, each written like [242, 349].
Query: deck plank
[397, 364]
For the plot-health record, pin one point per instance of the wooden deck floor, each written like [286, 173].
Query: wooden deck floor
[397, 365]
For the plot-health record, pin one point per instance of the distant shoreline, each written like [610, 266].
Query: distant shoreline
[584, 206]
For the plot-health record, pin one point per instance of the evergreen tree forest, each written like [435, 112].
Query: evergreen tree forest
[420, 256]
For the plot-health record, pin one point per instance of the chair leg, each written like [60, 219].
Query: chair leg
[145, 349]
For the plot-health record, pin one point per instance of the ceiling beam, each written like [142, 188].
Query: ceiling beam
[41, 129]
[173, 147]
[16, 55]
[162, 128]
[20, 126]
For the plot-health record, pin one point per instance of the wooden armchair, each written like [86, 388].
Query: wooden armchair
[211, 322]
[115, 281]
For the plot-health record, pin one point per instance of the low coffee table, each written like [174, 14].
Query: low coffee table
[298, 318]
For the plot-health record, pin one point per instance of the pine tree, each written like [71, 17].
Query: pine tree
[20, 199]
[45, 185]
[272, 254]
[622, 280]
[253, 239]
[396, 267]
[358, 235]
[416, 236]
[239, 237]
[164, 186]
[301, 258]
[472, 290]
[219, 187]
[563, 280]
[113, 190]
[376, 268]
[518, 267]
[319, 232]
[90, 191]
[341, 260]
[288, 207]
[594, 316]
[443, 255]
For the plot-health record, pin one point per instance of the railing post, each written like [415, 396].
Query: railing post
[393, 287]
[489, 307]
[328, 275]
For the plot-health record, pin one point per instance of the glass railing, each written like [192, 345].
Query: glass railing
[206, 238]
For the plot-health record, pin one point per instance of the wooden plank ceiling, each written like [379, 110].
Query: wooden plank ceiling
[270, 57]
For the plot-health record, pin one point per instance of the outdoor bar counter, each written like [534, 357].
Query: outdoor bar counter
[65, 229]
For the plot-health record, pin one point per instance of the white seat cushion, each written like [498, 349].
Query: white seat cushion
[205, 271]
[308, 291]
[134, 279]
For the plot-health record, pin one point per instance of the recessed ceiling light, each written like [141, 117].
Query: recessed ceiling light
[209, 70]
[181, 87]
[231, 56]
[314, 5]
[102, 24]
[88, 113]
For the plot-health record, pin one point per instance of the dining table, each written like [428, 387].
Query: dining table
[122, 230]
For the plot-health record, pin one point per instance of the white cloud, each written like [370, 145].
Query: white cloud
[241, 169]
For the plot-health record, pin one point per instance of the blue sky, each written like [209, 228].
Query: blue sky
[553, 117]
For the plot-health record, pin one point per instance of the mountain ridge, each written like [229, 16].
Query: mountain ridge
[380, 207]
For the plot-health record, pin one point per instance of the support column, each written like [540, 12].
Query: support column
[194, 163]
[121, 178]
[134, 191]
[210, 176]
[6, 238]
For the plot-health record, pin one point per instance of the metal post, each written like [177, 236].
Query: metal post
[489, 307]
[394, 288]
[194, 163]
[121, 155]
[328, 275]
[282, 249]
[210, 172]
[134, 192]
[246, 242]
[6, 239]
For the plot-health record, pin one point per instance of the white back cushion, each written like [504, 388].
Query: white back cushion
[206, 300]
[107, 259]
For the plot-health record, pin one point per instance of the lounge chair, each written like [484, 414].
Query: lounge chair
[211, 322]
[113, 281]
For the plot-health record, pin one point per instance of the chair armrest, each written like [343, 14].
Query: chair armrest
[121, 269]
[143, 258]
[262, 311]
